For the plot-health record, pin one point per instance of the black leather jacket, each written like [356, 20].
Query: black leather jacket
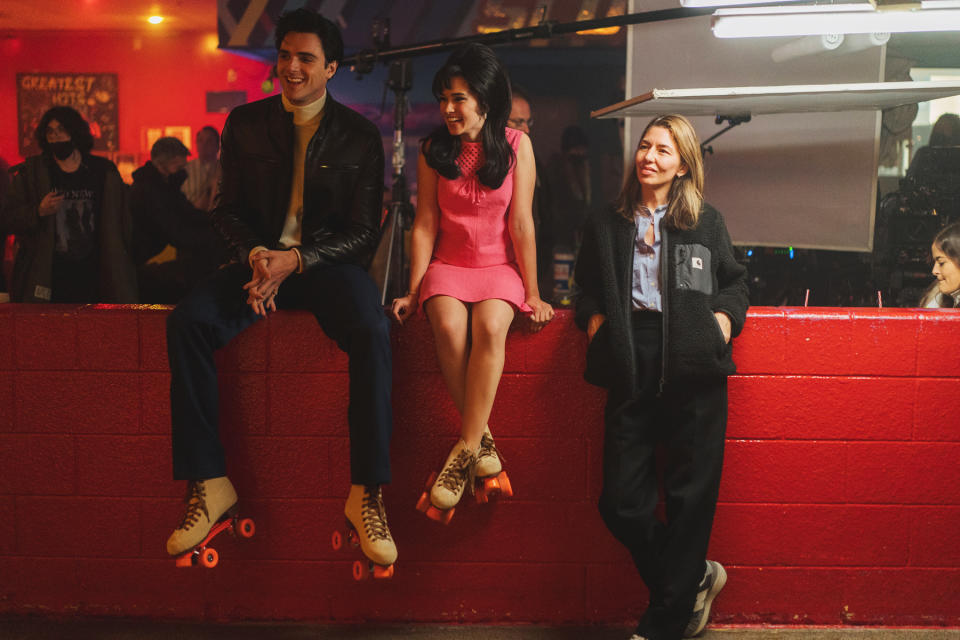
[343, 183]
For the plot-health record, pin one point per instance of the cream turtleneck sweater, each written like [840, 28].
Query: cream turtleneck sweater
[306, 120]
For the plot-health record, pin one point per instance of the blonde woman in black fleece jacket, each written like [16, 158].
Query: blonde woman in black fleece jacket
[660, 297]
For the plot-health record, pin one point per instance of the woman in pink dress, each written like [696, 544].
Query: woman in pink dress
[472, 256]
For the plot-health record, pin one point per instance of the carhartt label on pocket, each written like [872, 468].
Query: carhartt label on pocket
[697, 263]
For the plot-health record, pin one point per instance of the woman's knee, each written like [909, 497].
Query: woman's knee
[448, 328]
[489, 329]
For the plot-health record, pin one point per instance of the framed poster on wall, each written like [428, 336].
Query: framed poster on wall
[93, 95]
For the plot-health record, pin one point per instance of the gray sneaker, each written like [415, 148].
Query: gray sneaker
[714, 578]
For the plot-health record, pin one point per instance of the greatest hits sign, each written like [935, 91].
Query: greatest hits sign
[93, 95]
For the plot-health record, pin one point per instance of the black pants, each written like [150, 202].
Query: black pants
[345, 302]
[688, 423]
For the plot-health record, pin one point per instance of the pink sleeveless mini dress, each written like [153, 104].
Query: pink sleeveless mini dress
[473, 257]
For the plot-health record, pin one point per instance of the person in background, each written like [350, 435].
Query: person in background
[204, 170]
[659, 341]
[69, 211]
[521, 118]
[945, 251]
[472, 255]
[571, 186]
[163, 216]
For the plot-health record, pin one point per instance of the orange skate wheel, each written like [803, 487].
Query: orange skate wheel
[505, 487]
[209, 558]
[382, 573]
[247, 528]
[186, 560]
[481, 494]
[360, 570]
[336, 540]
[439, 515]
[423, 503]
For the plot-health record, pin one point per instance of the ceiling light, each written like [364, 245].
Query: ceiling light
[754, 23]
[727, 3]
[155, 19]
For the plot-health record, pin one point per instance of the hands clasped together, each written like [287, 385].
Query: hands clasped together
[270, 269]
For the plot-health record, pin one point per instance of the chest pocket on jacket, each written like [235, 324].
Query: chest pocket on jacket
[693, 268]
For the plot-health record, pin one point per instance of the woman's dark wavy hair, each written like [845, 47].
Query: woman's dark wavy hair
[490, 85]
[72, 121]
[304, 20]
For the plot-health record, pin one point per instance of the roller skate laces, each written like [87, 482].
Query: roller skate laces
[459, 473]
[196, 501]
[489, 458]
[374, 517]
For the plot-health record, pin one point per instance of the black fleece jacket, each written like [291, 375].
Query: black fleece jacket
[699, 276]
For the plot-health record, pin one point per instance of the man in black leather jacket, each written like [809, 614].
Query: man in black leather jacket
[299, 203]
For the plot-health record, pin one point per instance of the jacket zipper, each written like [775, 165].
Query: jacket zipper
[664, 288]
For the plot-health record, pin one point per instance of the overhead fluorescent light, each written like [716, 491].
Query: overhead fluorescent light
[754, 23]
[734, 3]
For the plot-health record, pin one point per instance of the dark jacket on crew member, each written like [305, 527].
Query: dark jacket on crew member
[699, 275]
[163, 216]
[342, 186]
[33, 270]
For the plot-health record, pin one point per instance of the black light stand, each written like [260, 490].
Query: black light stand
[390, 254]
[733, 120]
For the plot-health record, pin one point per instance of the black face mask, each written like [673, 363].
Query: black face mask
[61, 150]
[178, 178]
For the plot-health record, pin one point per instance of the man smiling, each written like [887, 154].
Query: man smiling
[299, 203]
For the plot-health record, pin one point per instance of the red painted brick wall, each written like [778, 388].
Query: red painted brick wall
[839, 505]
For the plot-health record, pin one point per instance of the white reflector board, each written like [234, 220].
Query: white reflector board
[801, 98]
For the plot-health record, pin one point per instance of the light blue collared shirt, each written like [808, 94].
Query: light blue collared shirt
[646, 261]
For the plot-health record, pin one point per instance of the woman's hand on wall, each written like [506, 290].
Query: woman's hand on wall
[402, 308]
[542, 313]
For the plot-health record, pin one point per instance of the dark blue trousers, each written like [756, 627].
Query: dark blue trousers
[687, 425]
[345, 302]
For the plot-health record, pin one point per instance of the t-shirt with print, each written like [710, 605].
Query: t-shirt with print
[75, 255]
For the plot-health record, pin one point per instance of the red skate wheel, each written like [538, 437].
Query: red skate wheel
[247, 528]
[186, 560]
[431, 480]
[336, 540]
[505, 487]
[209, 558]
[382, 573]
[360, 570]
[423, 503]
[481, 494]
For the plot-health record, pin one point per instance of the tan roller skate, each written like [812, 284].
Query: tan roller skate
[444, 491]
[211, 510]
[492, 480]
[367, 528]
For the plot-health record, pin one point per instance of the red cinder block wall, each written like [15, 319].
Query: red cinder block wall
[839, 503]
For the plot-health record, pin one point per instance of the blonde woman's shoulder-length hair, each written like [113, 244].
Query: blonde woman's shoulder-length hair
[686, 192]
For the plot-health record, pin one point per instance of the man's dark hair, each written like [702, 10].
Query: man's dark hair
[519, 92]
[208, 128]
[304, 20]
[72, 121]
[166, 148]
